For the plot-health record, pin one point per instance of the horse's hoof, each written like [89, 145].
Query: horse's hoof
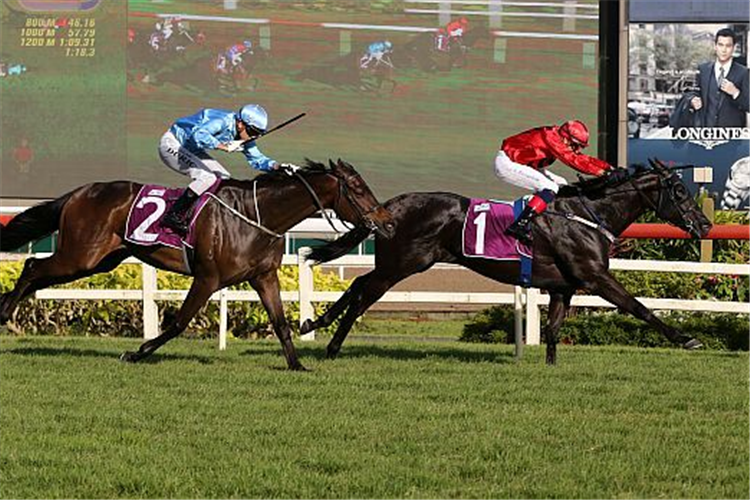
[298, 368]
[306, 327]
[692, 344]
[331, 353]
[129, 357]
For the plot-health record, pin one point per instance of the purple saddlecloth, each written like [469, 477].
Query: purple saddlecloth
[484, 231]
[144, 221]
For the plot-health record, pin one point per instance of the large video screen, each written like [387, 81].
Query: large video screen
[88, 89]
[683, 109]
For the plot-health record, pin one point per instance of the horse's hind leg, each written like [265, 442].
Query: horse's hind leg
[608, 288]
[61, 267]
[199, 293]
[559, 304]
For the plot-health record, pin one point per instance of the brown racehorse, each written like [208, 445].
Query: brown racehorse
[228, 250]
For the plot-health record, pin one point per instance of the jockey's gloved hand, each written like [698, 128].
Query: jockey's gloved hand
[289, 168]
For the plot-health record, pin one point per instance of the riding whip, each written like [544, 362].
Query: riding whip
[236, 145]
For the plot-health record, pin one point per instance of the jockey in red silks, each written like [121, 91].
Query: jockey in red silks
[457, 29]
[523, 160]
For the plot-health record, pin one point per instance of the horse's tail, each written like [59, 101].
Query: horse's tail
[339, 247]
[32, 224]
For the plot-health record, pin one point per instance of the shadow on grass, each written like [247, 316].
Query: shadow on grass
[395, 352]
[92, 353]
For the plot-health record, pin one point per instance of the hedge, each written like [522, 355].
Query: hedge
[125, 317]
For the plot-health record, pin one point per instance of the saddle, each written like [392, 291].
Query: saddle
[152, 202]
[484, 233]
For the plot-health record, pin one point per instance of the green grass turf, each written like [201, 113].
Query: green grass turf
[396, 419]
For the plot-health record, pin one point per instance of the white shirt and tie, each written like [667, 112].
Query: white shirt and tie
[720, 73]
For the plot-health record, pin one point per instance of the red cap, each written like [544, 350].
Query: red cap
[576, 132]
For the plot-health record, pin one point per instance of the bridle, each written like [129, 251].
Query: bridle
[365, 216]
[668, 184]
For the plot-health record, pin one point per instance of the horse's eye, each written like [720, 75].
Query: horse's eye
[680, 192]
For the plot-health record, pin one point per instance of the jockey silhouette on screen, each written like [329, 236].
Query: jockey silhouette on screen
[376, 53]
[523, 160]
[457, 29]
[232, 58]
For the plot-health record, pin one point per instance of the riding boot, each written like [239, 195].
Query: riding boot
[178, 217]
[521, 227]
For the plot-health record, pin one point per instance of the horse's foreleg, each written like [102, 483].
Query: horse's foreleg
[607, 287]
[61, 267]
[337, 308]
[199, 293]
[559, 304]
[370, 291]
[267, 286]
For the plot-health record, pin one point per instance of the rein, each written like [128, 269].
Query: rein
[576, 218]
[599, 225]
[343, 191]
[665, 184]
[317, 201]
[245, 219]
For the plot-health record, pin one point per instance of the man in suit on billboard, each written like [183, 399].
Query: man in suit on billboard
[724, 93]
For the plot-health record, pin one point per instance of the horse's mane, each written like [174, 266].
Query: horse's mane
[279, 176]
[596, 186]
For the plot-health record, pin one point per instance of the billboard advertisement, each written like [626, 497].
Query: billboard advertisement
[688, 102]
[89, 89]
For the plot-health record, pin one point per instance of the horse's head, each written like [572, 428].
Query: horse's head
[357, 204]
[674, 203]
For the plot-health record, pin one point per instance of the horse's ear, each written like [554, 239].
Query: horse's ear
[656, 164]
[660, 164]
[331, 164]
[344, 165]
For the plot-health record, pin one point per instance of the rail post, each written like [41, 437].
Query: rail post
[223, 319]
[150, 309]
[533, 329]
[518, 320]
[707, 246]
[306, 286]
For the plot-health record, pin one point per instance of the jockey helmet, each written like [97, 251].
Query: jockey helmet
[248, 44]
[576, 132]
[254, 116]
[388, 45]
[463, 21]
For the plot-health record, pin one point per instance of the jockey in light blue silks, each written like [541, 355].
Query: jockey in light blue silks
[376, 52]
[183, 149]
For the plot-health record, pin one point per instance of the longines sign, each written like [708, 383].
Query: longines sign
[710, 137]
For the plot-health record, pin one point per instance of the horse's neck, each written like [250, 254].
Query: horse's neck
[283, 207]
[618, 209]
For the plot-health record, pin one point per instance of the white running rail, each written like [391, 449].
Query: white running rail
[527, 302]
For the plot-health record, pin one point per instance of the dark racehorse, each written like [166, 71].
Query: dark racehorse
[422, 53]
[228, 250]
[344, 72]
[568, 254]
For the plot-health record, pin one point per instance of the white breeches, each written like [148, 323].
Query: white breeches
[201, 168]
[524, 176]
